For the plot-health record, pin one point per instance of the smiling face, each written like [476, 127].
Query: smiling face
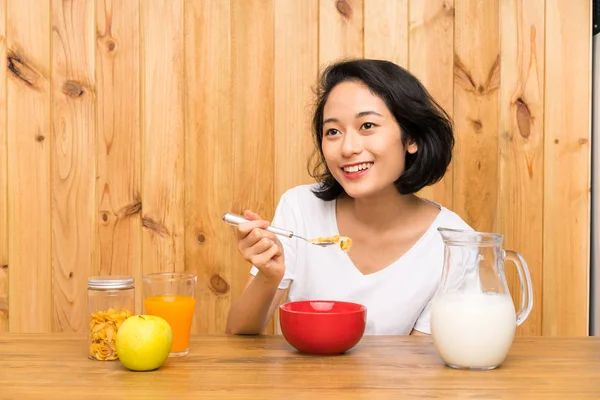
[362, 142]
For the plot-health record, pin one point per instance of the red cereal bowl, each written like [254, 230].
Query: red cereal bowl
[322, 327]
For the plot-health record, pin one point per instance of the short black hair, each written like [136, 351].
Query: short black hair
[421, 119]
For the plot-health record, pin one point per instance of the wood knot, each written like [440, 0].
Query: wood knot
[462, 75]
[70, 274]
[72, 89]
[523, 118]
[111, 45]
[477, 125]
[131, 209]
[507, 136]
[155, 227]
[105, 217]
[200, 238]
[5, 266]
[344, 8]
[218, 284]
[22, 71]
[40, 138]
[448, 9]
[583, 141]
[555, 141]
[478, 165]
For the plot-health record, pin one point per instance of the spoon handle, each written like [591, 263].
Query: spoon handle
[236, 219]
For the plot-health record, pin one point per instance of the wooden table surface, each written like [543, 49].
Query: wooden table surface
[55, 366]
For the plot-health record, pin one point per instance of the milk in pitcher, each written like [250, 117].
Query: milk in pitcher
[473, 330]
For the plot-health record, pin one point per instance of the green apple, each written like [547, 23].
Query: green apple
[144, 342]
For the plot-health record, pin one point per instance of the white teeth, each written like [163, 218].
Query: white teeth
[359, 167]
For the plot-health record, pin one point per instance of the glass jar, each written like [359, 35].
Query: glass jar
[111, 300]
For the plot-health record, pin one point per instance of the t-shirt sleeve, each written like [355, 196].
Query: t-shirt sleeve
[285, 218]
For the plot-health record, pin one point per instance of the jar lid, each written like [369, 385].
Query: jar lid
[110, 282]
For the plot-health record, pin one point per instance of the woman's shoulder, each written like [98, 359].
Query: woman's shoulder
[450, 219]
[299, 209]
[303, 194]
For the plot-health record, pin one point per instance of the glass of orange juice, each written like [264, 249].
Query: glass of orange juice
[170, 295]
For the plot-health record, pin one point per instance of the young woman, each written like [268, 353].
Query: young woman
[380, 139]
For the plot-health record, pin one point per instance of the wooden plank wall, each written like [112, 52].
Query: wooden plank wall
[130, 127]
[521, 141]
[30, 182]
[566, 168]
[73, 163]
[118, 141]
[3, 176]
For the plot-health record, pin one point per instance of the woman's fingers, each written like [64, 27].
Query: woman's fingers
[255, 243]
[262, 260]
[251, 215]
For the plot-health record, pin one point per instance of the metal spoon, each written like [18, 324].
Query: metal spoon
[235, 219]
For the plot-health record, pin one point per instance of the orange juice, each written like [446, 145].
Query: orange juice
[178, 311]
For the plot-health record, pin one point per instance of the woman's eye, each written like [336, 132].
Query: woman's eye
[330, 132]
[368, 125]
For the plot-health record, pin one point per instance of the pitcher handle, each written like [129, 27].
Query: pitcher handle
[525, 279]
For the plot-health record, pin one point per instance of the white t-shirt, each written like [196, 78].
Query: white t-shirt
[397, 297]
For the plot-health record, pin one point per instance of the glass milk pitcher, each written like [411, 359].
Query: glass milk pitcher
[473, 318]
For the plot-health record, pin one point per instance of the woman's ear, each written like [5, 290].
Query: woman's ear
[412, 147]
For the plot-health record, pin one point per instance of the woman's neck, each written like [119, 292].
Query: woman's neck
[382, 210]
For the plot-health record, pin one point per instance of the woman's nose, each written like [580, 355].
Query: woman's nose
[351, 144]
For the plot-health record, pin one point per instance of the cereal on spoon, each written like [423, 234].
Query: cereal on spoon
[343, 241]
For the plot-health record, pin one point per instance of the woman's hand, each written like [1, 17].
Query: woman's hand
[261, 248]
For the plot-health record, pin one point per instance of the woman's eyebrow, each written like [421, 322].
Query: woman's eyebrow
[364, 113]
[359, 115]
